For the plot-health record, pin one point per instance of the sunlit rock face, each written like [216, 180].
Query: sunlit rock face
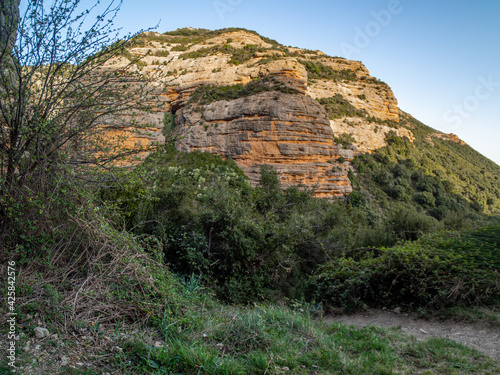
[285, 128]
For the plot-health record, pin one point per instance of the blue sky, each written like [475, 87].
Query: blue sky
[441, 58]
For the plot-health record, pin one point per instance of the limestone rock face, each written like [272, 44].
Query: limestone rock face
[290, 132]
[449, 137]
[376, 98]
[369, 136]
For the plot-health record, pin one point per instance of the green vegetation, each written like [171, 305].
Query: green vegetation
[345, 139]
[162, 53]
[208, 338]
[198, 35]
[338, 107]
[187, 37]
[427, 273]
[233, 278]
[208, 94]
[317, 70]
[205, 213]
[457, 168]
[238, 55]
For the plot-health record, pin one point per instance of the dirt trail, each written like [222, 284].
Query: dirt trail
[479, 336]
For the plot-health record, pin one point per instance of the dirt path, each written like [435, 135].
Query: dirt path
[479, 336]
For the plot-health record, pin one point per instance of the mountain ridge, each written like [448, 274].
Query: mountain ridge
[255, 125]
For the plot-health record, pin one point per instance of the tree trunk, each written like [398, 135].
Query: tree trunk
[9, 18]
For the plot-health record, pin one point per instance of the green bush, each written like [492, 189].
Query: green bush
[414, 275]
[248, 243]
[409, 224]
[338, 107]
[425, 199]
[208, 94]
[317, 70]
[162, 53]
[345, 139]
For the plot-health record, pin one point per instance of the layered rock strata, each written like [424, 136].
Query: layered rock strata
[289, 132]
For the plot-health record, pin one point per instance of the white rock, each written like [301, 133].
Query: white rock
[40, 332]
[397, 310]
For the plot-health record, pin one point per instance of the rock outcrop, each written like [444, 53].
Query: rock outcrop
[290, 132]
[284, 126]
[369, 136]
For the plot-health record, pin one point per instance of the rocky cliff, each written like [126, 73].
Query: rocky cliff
[237, 94]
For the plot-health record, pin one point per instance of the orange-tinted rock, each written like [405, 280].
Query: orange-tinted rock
[290, 132]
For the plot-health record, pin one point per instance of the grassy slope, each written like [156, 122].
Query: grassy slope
[209, 338]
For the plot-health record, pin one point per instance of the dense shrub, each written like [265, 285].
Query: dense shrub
[248, 243]
[338, 107]
[209, 94]
[417, 274]
[395, 174]
[317, 70]
[409, 224]
[425, 199]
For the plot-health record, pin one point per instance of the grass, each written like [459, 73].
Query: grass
[209, 338]
[477, 314]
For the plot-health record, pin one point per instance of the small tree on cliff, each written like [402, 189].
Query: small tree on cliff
[60, 90]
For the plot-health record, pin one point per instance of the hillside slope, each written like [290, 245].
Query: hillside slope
[237, 94]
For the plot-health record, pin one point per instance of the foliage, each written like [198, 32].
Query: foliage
[395, 174]
[419, 274]
[56, 94]
[206, 337]
[462, 170]
[248, 243]
[203, 34]
[317, 70]
[161, 53]
[344, 139]
[338, 107]
[208, 94]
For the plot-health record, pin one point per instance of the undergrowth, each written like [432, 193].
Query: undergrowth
[209, 338]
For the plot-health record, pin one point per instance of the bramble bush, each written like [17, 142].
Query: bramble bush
[435, 272]
[248, 243]
[263, 243]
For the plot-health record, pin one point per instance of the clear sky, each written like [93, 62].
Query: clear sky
[440, 57]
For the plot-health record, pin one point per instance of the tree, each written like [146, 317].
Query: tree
[68, 97]
[9, 17]
[61, 88]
